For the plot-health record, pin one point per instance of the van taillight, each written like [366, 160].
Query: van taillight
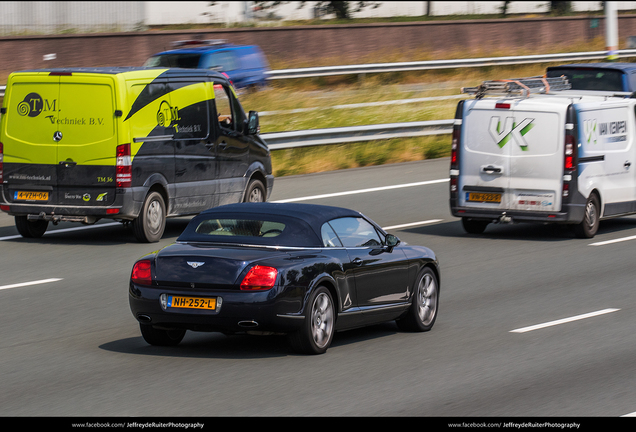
[142, 273]
[1, 158]
[455, 148]
[569, 153]
[123, 166]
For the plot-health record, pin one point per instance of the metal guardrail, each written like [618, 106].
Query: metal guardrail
[304, 138]
[440, 64]
[434, 64]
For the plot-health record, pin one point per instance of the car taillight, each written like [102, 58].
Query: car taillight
[123, 166]
[1, 157]
[142, 273]
[259, 278]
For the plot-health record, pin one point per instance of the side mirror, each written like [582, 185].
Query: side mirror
[392, 241]
[253, 126]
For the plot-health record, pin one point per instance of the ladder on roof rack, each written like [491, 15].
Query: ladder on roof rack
[519, 86]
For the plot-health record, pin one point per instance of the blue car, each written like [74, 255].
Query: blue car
[245, 65]
[616, 77]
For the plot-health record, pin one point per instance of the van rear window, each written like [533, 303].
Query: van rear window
[591, 79]
[188, 61]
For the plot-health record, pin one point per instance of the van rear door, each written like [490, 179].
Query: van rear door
[30, 153]
[485, 156]
[86, 140]
[536, 158]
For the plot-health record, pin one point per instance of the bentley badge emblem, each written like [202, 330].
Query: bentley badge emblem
[195, 264]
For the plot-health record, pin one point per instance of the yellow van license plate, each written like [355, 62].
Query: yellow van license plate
[31, 196]
[483, 197]
[191, 302]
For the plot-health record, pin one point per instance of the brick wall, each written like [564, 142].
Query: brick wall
[307, 44]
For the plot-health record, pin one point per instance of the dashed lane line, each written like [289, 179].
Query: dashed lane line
[65, 230]
[361, 191]
[23, 284]
[564, 320]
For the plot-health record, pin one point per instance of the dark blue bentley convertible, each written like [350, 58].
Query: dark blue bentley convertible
[298, 269]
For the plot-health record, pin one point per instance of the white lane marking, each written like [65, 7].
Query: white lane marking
[65, 230]
[359, 191]
[363, 105]
[406, 225]
[629, 415]
[564, 320]
[43, 281]
[618, 240]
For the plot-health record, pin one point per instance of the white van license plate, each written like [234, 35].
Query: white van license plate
[483, 197]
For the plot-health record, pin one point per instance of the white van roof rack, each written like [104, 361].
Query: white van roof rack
[519, 86]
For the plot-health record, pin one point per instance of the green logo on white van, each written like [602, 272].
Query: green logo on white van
[511, 130]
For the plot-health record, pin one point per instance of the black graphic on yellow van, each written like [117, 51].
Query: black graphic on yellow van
[31, 105]
[167, 115]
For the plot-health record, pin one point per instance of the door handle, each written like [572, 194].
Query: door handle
[222, 145]
[628, 164]
[357, 262]
[491, 169]
[68, 163]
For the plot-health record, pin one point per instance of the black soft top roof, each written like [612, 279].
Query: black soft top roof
[304, 222]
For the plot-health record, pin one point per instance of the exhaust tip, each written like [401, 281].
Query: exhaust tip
[248, 324]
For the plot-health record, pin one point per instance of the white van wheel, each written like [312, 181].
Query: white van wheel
[589, 225]
[474, 226]
[151, 222]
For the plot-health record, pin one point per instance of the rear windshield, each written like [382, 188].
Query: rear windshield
[591, 79]
[188, 61]
[248, 229]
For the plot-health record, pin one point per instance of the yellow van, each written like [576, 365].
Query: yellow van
[131, 144]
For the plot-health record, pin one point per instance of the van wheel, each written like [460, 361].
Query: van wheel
[589, 226]
[30, 229]
[474, 226]
[151, 222]
[255, 192]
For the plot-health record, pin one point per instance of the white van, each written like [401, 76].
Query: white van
[557, 157]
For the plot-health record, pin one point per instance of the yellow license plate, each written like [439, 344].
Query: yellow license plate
[31, 196]
[483, 197]
[191, 302]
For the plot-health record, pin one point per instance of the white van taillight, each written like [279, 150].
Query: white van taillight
[123, 175]
[569, 153]
[456, 149]
[570, 159]
[1, 158]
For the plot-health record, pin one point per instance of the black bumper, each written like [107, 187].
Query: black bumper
[277, 310]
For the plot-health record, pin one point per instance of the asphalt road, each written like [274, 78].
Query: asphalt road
[70, 346]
